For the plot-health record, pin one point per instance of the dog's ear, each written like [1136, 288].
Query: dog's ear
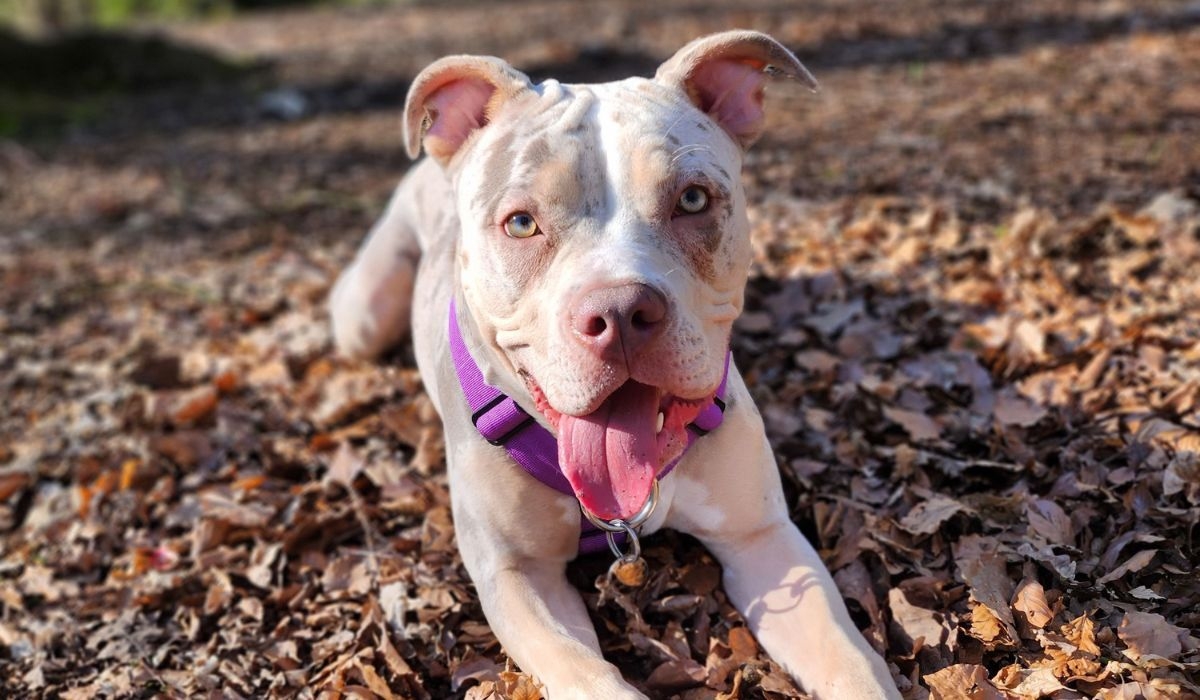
[452, 98]
[724, 74]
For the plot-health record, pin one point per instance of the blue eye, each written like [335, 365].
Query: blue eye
[521, 225]
[693, 200]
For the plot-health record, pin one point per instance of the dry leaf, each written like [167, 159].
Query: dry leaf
[1149, 634]
[1048, 521]
[928, 515]
[919, 426]
[1135, 563]
[982, 567]
[976, 371]
[1030, 599]
[1028, 682]
[345, 467]
[1017, 410]
[921, 628]
[962, 681]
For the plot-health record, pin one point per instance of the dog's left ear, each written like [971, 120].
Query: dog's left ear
[453, 98]
[724, 74]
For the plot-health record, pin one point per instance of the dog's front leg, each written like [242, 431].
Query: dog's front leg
[778, 582]
[733, 502]
[543, 625]
[516, 537]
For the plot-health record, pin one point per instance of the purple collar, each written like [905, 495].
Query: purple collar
[503, 422]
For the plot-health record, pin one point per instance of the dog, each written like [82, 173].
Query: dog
[572, 259]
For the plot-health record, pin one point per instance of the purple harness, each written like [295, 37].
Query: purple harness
[504, 423]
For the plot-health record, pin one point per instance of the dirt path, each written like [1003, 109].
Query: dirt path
[971, 329]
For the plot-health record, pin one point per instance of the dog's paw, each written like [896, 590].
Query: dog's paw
[607, 685]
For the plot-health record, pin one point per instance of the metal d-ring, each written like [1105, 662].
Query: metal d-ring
[639, 518]
[635, 545]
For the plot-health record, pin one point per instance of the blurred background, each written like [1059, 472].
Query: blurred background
[222, 112]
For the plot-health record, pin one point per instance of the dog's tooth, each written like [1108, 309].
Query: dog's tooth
[661, 420]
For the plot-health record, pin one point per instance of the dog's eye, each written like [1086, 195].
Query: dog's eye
[520, 225]
[693, 200]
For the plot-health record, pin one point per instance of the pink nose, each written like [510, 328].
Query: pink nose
[616, 322]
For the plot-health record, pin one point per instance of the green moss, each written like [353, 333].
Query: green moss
[33, 114]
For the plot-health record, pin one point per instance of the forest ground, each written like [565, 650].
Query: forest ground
[972, 329]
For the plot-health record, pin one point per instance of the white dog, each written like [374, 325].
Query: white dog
[572, 258]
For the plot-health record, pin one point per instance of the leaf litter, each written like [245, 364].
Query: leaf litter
[985, 404]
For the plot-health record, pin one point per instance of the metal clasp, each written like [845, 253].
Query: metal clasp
[629, 527]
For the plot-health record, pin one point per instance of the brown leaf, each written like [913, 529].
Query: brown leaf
[919, 426]
[437, 532]
[676, 674]
[1030, 599]
[1135, 563]
[1028, 343]
[395, 663]
[922, 629]
[1049, 522]
[192, 406]
[1028, 682]
[524, 688]
[982, 567]
[987, 626]
[1149, 634]
[928, 515]
[186, 448]
[220, 506]
[742, 644]
[1182, 475]
[1017, 410]
[856, 583]
[1156, 689]
[12, 482]
[374, 681]
[962, 681]
[348, 392]
[263, 564]
[477, 668]
[346, 465]
[348, 574]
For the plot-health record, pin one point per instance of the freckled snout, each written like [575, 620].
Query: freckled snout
[614, 323]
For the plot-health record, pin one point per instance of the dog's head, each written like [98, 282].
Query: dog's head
[605, 244]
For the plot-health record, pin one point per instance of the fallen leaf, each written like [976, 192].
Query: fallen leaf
[345, 466]
[1028, 682]
[1048, 521]
[1135, 563]
[1081, 632]
[922, 630]
[962, 681]
[1149, 634]
[192, 406]
[919, 426]
[927, 516]
[1017, 410]
[477, 669]
[982, 568]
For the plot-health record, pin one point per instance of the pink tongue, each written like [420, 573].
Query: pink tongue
[612, 455]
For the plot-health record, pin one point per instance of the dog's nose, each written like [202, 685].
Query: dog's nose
[615, 322]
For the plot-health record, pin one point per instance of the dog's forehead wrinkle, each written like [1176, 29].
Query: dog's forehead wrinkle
[580, 109]
[548, 151]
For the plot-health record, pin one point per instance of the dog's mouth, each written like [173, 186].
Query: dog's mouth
[612, 455]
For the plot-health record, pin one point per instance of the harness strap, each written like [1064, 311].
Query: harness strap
[502, 422]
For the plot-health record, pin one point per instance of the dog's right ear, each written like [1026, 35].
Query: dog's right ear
[452, 98]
